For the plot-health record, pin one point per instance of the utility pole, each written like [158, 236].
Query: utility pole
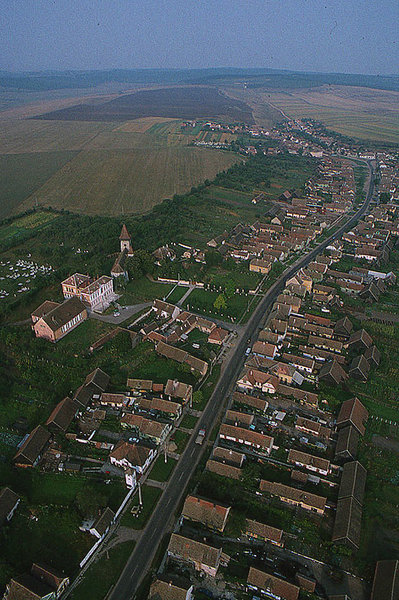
[140, 497]
[166, 458]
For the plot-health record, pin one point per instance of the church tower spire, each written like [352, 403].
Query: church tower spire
[126, 241]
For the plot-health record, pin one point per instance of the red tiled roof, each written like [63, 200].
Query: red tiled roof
[352, 411]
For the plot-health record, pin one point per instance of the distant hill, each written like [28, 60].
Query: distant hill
[272, 78]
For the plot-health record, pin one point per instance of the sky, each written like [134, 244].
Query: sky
[346, 36]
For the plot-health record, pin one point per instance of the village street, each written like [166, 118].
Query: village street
[162, 518]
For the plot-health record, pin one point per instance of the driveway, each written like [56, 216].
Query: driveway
[125, 313]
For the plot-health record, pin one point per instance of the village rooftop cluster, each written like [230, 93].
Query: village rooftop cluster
[282, 468]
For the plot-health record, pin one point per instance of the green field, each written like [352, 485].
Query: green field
[161, 471]
[54, 536]
[25, 224]
[103, 573]
[189, 422]
[180, 438]
[145, 290]
[380, 539]
[203, 302]
[45, 373]
[151, 496]
[22, 174]
[177, 294]
[145, 363]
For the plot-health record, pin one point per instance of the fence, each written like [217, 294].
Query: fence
[97, 544]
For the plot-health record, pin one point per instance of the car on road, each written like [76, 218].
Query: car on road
[200, 437]
[117, 313]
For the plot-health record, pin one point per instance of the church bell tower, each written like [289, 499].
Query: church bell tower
[126, 241]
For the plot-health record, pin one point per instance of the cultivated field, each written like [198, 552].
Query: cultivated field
[18, 136]
[99, 167]
[22, 174]
[183, 102]
[25, 224]
[356, 112]
[141, 125]
[264, 114]
[132, 181]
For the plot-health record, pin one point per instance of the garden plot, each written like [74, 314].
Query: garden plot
[17, 277]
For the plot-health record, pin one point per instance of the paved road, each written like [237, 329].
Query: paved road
[186, 295]
[162, 518]
[125, 314]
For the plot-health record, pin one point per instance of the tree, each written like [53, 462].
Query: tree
[198, 396]
[213, 258]
[141, 263]
[230, 288]
[236, 523]
[220, 303]
[184, 368]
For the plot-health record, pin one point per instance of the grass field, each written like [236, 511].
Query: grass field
[145, 363]
[22, 174]
[103, 573]
[161, 471]
[180, 438]
[177, 293]
[151, 496]
[132, 181]
[203, 300]
[356, 112]
[145, 290]
[189, 422]
[379, 539]
[54, 536]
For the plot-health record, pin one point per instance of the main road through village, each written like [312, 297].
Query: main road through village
[162, 518]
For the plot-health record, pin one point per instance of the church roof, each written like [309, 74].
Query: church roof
[124, 233]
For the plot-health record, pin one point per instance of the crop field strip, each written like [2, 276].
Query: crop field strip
[141, 125]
